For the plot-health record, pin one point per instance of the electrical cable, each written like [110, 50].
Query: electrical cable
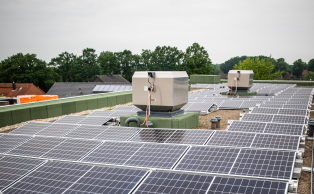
[148, 103]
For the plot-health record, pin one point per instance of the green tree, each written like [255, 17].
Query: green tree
[108, 62]
[298, 67]
[65, 65]
[311, 65]
[163, 58]
[262, 68]
[197, 61]
[138, 64]
[217, 70]
[126, 62]
[146, 56]
[87, 66]
[309, 76]
[228, 65]
[280, 65]
[28, 69]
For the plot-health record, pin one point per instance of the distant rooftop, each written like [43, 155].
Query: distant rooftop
[70, 89]
[111, 78]
[6, 89]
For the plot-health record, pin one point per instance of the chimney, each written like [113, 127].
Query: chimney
[13, 86]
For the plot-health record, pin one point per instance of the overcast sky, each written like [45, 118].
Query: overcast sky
[226, 28]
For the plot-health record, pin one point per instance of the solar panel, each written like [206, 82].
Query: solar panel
[117, 133]
[288, 129]
[265, 110]
[107, 180]
[280, 111]
[70, 119]
[126, 108]
[30, 128]
[236, 139]
[298, 102]
[247, 126]
[246, 186]
[71, 149]
[208, 159]
[90, 120]
[230, 104]
[191, 137]
[36, 147]
[170, 182]
[274, 128]
[156, 156]
[52, 177]
[279, 102]
[276, 141]
[112, 88]
[264, 163]
[249, 104]
[293, 112]
[98, 113]
[187, 105]
[271, 105]
[13, 168]
[198, 107]
[121, 113]
[87, 131]
[289, 119]
[153, 135]
[294, 106]
[195, 100]
[9, 142]
[257, 117]
[57, 130]
[113, 153]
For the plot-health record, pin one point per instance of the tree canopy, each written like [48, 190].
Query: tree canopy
[298, 67]
[68, 67]
[262, 68]
[27, 68]
[311, 65]
[197, 61]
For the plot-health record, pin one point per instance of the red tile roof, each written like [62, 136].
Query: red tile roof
[6, 89]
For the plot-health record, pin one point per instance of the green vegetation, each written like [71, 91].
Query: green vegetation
[68, 67]
[262, 68]
[27, 68]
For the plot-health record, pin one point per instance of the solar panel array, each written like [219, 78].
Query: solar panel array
[260, 127]
[274, 118]
[191, 137]
[254, 140]
[112, 88]
[280, 111]
[250, 157]
[84, 120]
[62, 177]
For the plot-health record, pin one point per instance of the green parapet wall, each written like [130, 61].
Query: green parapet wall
[80, 104]
[13, 114]
[102, 102]
[298, 83]
[21, 114]
[39, 112]
[5, 118]
[204, 79]
[92, 103]
[54, 110]
[187, 121]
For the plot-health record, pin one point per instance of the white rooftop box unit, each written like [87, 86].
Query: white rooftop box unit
[170, 90]
[240, 79]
